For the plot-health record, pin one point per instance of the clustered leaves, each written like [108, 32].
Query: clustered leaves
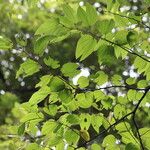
[99, 112]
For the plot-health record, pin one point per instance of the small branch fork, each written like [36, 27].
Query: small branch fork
[132, 113]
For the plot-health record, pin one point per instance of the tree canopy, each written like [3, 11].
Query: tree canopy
[74, 74]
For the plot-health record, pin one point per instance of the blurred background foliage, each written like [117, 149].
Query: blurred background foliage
[19, 20]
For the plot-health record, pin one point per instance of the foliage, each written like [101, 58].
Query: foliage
[104, 109]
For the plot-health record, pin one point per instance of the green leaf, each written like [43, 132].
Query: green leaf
[116, 79]
[51, 27]
[106, 54]
[85, 100]
[119, 111]
[131, 94]
[40, 95]
[139, 63]
[56, 84]
[132, 146]
[142, 84]
[96, 121]
[28, 68]
[49, 127]
[105, 26]
[109, 142]
[73, 119]
[37, 117]
[119, 52]
[130, 81]
[5, 43]
[52, 63]
[132, 37]
[69, 13]
[102, 78]
[121, 37]
[21, 129]
[52, 110]
[33, 146]
[82, 16]
[71, 136]
[83, 82]
[99, 95]
[85, 46]
[95, 147]
[65, 96]
[55, 140]
[44, 81]
[85, 121]
[70, 69]
[41, 44]
[128, 137]
[91, 14]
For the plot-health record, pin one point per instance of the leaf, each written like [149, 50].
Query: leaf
[37, 117]
[132, 146]
[88, 17]
[85, 100]
[69, 13]
[40, 95]
[83, 82]
[130, 81]
[52, 109]
[41, 44]
[116, 79]
[139, 63]
[65, 96]
[142, 84]
[28, 68]
[99, 95]
[44, 81]
[73, 119]
[52, 63]
[5, 43]
[105, 26]
[95, 147]
[82, 16]
[132, 37]
[85, 121]
[85, 46]
[84, 134]
[119, 52]
[109, 142]
[49, 127]
[71, 136]
[102, 78]
[96, 121]
[119, 111]
[55, 140]
[51, 27]
[70, 69]
[56, 84]
[91, 14]
[21, 129]
[121, 37]
[106, 54]
[128, 137]
[33, 146]
[131, 94]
